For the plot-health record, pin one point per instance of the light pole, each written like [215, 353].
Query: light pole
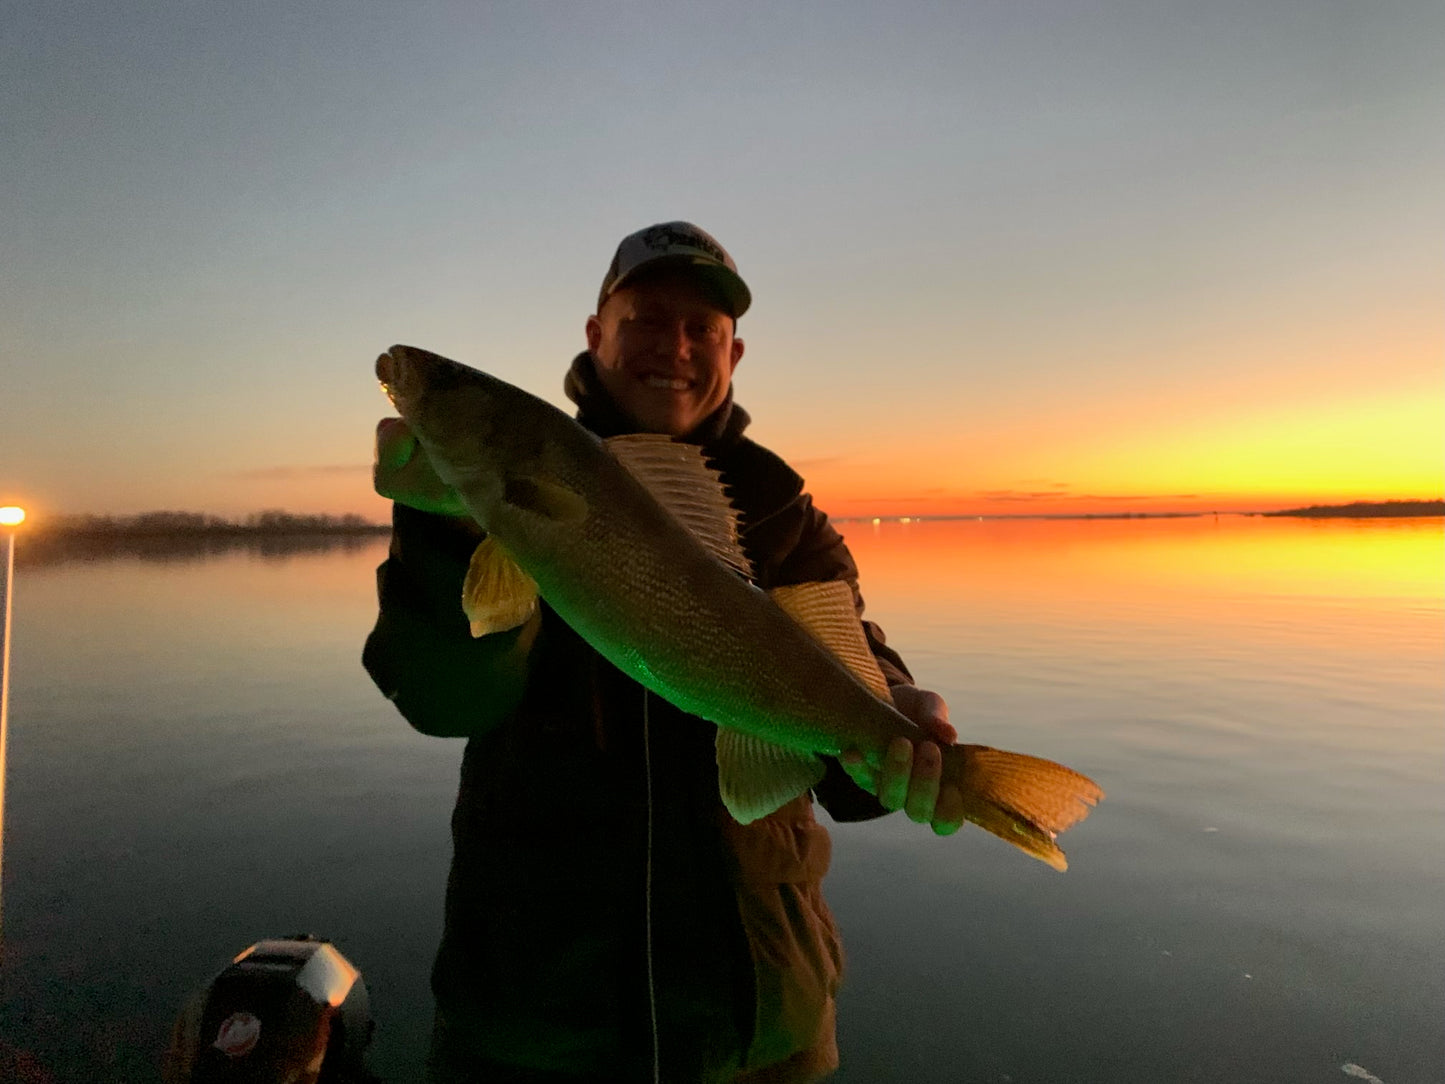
[10, 518]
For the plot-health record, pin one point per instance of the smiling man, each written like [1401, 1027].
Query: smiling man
[664, 341]
[605, 918]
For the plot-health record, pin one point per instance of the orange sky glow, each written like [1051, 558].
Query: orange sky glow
[1380, 447]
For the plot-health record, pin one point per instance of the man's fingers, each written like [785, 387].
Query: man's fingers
[923, 785]
[897, 770]
[933, 707]
[910, 779]
[858, 770]
[403, 473]
[927, 709]
[948, 813]
[942, 732]
[395, 444]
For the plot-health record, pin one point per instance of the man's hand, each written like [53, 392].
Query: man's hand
[909, 776]
[403, 473]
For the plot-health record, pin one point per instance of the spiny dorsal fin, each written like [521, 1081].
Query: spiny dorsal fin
[679, 477]
[496, 594]
[756, 777]
[825, 612]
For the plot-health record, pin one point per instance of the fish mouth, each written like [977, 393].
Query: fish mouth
[387, 375]
[400, 371]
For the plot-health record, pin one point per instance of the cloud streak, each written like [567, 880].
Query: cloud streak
[1064, 491]
[296, 471]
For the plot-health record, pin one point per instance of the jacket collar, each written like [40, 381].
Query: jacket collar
[597, 412]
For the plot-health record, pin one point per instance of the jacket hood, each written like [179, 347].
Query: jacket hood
[597, 411]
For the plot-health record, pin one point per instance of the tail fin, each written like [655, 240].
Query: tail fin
[1024, 800]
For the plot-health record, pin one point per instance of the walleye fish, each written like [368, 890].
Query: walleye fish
[648, 574]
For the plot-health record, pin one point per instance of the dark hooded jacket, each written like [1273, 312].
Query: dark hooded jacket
[596, 876]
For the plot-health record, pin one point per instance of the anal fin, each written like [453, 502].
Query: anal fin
[757, 777]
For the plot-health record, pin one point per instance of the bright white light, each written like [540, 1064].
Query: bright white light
[11, 516]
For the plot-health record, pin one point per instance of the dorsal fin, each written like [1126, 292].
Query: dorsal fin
[825, 611]
[679, 477]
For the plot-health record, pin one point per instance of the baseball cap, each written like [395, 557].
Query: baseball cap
[681, 244]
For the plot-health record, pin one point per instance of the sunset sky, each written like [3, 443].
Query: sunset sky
[1006, 258]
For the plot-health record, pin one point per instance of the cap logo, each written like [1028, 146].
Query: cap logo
[672, 244]
[665, 237]
[238, 1035]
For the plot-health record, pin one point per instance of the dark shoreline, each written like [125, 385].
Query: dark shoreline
[190, 524]
[52, 549]
[177, 536]
[1366, 510]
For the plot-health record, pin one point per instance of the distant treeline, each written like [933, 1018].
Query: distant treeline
[185, 524]
[1360, 509]
[189, 536]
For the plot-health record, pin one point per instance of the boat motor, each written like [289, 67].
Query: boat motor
[288, 1011]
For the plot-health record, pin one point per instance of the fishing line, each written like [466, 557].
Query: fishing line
[647, 898]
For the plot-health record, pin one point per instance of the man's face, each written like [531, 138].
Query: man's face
[664, 351]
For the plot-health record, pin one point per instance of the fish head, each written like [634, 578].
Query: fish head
[474, 428]
[418, 382]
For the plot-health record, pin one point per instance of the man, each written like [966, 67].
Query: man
[605, 918]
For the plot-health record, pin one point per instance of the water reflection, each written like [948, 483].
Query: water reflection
[41, 550]
[197, 760]
[1197, 557]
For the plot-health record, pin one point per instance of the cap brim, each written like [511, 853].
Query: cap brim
[729, 285]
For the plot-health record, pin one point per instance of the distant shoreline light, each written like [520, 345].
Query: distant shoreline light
[1354, 509]
[279, 522]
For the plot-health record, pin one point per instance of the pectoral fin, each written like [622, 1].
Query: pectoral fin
[545, 498]
[496, 594]
[756, 777]
[825, 612]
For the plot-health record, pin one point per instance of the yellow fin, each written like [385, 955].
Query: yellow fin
[1024, 800]
[550, 500]
[496, 594]
[825, 611]
[679, 478]
[756, 777]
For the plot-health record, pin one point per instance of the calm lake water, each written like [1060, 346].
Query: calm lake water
[197, 760]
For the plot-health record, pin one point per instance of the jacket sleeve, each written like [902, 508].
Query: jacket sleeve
[813, 550]
[421, 653]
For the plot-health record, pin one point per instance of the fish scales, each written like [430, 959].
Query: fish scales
[637, 586]
[629, 578]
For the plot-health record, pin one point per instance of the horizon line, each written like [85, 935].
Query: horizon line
[278, 520]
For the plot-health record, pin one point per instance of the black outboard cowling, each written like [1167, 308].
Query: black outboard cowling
[289, 1011]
